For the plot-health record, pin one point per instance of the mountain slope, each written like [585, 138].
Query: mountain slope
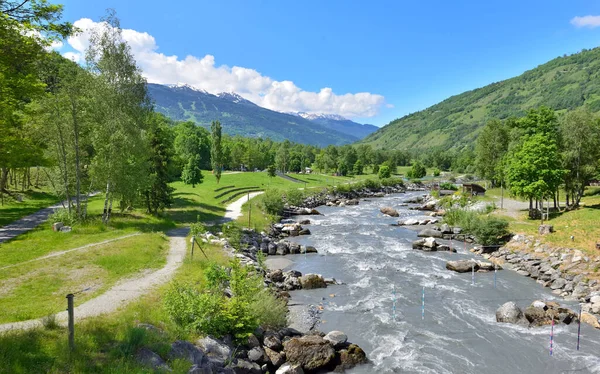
[340, 124]
[564, 83]
[240, 116]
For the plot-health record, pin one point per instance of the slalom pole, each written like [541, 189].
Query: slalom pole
[551, 336]
[423, 305]
[394, 302]
[579, 327]
[495, 272]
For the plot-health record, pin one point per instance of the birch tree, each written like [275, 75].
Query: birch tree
[121, 110]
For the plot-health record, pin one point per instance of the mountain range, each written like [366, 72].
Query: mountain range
[239, 116]
[565, 83]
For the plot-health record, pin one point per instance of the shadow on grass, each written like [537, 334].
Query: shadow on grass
[195, 215]
[97, 350]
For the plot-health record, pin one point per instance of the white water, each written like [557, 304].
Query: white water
[459, 333]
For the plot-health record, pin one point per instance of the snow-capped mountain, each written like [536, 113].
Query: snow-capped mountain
[338, 123]
[233, 97]
[239, 116]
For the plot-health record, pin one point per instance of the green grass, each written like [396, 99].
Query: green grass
[582, 223]
[33, 201]
[38, 288]
[107, 344]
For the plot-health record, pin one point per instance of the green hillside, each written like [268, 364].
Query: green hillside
[564, 83]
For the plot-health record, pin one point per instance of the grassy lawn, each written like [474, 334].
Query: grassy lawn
[42, 240]
[38, 288]
[582, 223]
[106, 344]
[33, 201]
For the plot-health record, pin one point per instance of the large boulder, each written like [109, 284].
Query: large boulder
[258, 355]
[462, 266]
[310, 281]
[149, 359]
[350, 357]
[182, 349]
[536, 316]
[430, 233]
[590, 319]
[311, 352]
[336, 338]
[389, 211]
[427, 244]
[509, 313]
[215, 350]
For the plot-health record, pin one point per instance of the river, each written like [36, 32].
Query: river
[458, 332]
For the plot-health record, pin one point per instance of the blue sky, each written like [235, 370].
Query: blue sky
[407, 55]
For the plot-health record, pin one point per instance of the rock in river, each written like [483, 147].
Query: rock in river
[509, 313]
[430, 233]
[389, 211]
[461, 266]
[310, 281]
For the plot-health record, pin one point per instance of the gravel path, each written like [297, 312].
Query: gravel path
[512, 208]
[234, 210]
[27, 223]
[130, 289]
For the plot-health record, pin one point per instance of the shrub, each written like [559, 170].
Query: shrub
[465, 219]
[372, 184]
[63, 215]
[271, 171]
[384, 172]
[388, 182]
[211, 313]
[436, 172]
[417, 170]
[272, 201]
[270, 311]
[197, 229]
[358, 167]
[448, 186]
[491, 230]
[375, 169]
[294, 197]
[234, 234]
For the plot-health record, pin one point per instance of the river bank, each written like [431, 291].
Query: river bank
[458, 331]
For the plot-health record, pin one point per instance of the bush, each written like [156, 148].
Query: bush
[417, 171]
[197, 229]
[371, 184]
[384, 172]
[272, 201]
[234, 234]
[269, 310]
[388, 182]
[63, 215]
[491, 230]
[294, 197]
[436, 172]
[211, 313]
[448, 186]
[465, 219]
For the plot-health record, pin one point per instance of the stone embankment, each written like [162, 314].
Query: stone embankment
[568, 272]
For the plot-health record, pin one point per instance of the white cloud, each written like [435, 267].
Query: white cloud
[203, 73]
[586, 21]
[73, 56]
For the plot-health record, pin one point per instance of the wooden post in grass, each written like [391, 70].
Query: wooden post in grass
[193, 241]
[71, 321]
[249, 214]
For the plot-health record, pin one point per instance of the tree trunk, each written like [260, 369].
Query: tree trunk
[105, 212]
[37, 177]
[3, 179]
[530, 207]
[77, 166]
